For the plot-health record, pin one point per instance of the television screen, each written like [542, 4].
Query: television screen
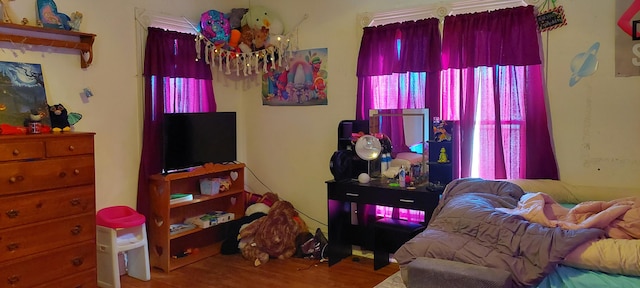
[193, 139]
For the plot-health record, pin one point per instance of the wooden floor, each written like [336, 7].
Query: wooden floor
[223, 271]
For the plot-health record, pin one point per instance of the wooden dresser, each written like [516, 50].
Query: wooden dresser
[47, 210]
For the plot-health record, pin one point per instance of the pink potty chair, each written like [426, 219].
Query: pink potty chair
[121, 229]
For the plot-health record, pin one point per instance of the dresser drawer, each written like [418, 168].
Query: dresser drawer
[27, 176]
[28, 208]
[29, 239]
[68, 146]
[46, 268]
[84, 279]
[21, 150]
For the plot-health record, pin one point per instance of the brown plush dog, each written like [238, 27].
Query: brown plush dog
[273, 235]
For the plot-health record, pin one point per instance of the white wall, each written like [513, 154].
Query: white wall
[595, 123]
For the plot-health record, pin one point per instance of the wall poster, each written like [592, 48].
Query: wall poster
[21, 95]
[301, 82]
[626, 48]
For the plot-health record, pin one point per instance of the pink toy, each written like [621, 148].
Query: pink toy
[215, 26]
[119, 217]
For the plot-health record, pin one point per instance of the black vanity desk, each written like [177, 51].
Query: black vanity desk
[344, 232]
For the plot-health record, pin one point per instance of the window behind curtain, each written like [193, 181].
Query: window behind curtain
[399, 91]
[182, 95]
[489, 83]
[173, 82]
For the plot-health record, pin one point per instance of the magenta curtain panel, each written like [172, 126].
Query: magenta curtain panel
[493, 86]
[172, 79]
[501, 37]
[398, 68]
[410, 53]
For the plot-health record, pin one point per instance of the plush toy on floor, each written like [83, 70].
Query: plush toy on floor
[272, 236]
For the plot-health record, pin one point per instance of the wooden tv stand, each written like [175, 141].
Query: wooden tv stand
[166, 251]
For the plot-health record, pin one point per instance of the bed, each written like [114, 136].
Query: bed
[494, 234]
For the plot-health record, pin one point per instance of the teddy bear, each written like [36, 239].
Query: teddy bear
[256, 26]
[272, 236]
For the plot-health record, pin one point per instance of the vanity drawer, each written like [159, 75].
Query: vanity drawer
[29, 239]
[68, 146]
[13, 151]
[46, 268]
[20, 177]
[28, 208]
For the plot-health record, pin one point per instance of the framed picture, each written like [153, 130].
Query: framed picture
[301, 82]
[22, 94]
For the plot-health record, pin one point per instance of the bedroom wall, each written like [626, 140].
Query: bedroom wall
[595, 123]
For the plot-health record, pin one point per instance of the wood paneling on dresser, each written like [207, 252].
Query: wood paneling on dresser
[47, 210]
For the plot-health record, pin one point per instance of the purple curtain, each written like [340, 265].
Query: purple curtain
[399, 48]
[394, 61]
[493, 87]
[168, 55]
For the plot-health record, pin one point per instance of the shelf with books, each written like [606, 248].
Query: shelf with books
[168, 249]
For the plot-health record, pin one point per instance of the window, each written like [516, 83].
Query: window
[495, 94]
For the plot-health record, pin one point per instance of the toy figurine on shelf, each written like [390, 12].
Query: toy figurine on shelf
[5, 11]
[443, 156]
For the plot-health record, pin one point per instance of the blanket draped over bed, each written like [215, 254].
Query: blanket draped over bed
[466, 227]
[620, 218]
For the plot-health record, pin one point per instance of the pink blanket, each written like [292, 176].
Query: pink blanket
[620, 218]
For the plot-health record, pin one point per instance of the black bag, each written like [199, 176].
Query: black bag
[315, 247]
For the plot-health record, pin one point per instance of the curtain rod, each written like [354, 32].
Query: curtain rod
[438, 10]
[165, 21]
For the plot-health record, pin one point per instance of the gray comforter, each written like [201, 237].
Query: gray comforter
[465, 227]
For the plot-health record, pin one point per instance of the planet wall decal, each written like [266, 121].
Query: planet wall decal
[584, 64]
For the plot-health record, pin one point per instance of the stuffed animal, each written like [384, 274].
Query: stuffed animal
[59, 118]
[256, 26]
[272, 236]
[235, 17]
[215, 27]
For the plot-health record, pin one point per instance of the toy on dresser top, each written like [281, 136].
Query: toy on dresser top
[61, 119]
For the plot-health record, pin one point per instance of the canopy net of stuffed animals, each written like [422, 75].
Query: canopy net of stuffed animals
[245, 40]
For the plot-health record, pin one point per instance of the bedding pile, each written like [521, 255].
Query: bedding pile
[619, 253]
[466, 227]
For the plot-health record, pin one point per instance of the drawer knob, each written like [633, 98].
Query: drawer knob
[77, 261]
[12, 213]
[75, 201]
[71, 148]
[62, 174]
[13, 279]
[16, 152]
[15, 179]
[13, 246]
[76, 230]
[76, 172]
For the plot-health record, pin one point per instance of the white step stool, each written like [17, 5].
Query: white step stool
[121, 229]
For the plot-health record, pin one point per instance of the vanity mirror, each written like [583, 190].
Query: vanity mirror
[408, 131]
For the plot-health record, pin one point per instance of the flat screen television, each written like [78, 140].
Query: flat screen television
[193, 139]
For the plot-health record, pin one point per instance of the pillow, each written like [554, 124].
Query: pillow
[618, 256]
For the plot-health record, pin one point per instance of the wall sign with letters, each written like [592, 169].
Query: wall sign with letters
[551, 19]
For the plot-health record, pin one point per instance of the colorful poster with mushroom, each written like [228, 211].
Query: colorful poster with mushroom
[301, 82]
